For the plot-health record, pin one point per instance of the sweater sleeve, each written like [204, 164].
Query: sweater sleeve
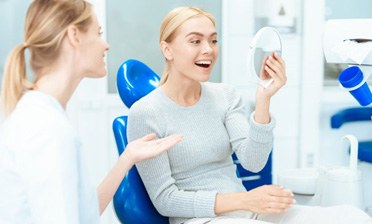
[156, 173]
[252, 142]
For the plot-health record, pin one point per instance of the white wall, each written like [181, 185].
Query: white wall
[11, 27]
[311, 81]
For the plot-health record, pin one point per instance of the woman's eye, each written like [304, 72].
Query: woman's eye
[195, 41]
[214, 41]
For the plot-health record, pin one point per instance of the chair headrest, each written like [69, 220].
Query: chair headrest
[135, 80]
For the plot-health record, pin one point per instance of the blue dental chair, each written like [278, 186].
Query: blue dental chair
[131, 202]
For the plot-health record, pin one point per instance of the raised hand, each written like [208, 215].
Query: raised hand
[272, 67]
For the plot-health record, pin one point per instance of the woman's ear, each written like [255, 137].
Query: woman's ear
[166, 49]
[73, 35]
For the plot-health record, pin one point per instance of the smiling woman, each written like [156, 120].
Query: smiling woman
[130, 42]
[197, 41]
[198, 176]
[196, 181]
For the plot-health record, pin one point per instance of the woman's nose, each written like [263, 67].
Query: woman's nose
[207, 48]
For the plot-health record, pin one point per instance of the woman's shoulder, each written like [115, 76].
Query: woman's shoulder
[36, 121]
[37, 113]
[35, 105]
[147, 104]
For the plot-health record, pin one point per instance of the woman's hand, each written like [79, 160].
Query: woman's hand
[148, 147]
[273, 67]
[268, 199]
[263, 200]
[144, 148]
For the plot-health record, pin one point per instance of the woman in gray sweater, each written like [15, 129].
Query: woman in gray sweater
[196, 182]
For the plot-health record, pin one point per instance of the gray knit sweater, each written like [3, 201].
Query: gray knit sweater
[183, 182]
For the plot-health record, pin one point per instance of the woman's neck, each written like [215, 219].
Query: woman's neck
[57, 84]
[182, 93]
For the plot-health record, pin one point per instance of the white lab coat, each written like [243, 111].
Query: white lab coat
[42, 171]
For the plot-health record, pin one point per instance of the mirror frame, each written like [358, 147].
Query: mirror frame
[252, 50]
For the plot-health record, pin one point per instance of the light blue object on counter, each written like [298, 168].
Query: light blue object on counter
[353, 80]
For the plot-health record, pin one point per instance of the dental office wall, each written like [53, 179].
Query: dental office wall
[334, 149]
[302, 109]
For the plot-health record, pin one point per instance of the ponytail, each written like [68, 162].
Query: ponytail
[14, 81]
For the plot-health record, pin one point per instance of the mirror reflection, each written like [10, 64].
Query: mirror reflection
[266, 41]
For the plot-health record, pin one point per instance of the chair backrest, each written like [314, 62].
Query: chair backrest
[135, 80]
[131, 201]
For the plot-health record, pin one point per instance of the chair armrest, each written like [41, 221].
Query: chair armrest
[350, 115]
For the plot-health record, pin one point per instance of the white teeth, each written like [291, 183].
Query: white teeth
[204, 62]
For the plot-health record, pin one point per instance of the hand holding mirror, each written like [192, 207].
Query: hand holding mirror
[266, 41]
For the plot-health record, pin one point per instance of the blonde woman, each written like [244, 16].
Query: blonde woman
[196, 182]
[42, 171]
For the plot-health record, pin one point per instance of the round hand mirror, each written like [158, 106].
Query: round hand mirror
[266, 41]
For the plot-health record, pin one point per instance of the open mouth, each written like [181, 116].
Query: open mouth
[203, 64]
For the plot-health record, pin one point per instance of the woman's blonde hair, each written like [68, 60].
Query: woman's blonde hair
[172, 21]
[45, 27]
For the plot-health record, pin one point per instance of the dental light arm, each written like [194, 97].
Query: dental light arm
[349, 41]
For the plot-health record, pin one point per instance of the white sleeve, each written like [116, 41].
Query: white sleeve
[49, 167]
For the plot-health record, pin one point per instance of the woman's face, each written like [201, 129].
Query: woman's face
[92, 51]
[194, 49]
